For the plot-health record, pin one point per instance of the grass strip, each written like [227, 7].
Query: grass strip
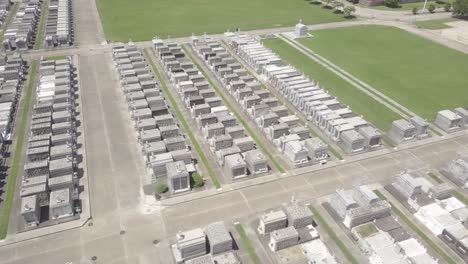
[435, 178]
[248, 245]
[418, 231]
[11, 15]
[56, 58]
[460, 197]
[42, 22]
[182, 120]
[323, 223]
[233, 110]
[10, 191]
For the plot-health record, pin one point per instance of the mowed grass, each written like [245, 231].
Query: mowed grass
[435, 24]
[143, 19]
[361, 103]
[424, 76]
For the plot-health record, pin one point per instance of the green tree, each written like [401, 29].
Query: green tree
[431, 8]
[327, 4]
[460, 7]
[348, 11]
[447, 7]
[392, 3]
[197, 180]
[415, 10]
[162, 188]
[338, 6]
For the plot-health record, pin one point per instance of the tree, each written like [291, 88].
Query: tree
[162, 188]
[415, 10]
[316, 2]
[197, 180]
[326, 3]
[338, 6]
[447, 7]
[460, 7]
[348, 11]
[392, 3]
[431, 8]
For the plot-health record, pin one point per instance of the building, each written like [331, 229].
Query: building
[61, 204]
[421, 125]
[316, 149]
[283, 238]
[256, 162]
[219, 238]
[457, 171]
[463, 112]
[352, 142]
[189, 244]
[365, 214]
[30, 210]
[407, 185]
[272, 221]
[372, 137]
[178, 177]
[402, 131]
[235, 166]
[298, 216]
[448, 121]
[342, 201]
[301, 30]
[296, 152]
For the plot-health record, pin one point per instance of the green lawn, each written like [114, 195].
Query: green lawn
[422, 75]
[41, 29]
[359, 102]
[408, 6]
[367, 230]
[143, 19]
[434, 24]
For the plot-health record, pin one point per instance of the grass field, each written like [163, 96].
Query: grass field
[421, 75]
[409, 6]
[435, 24]
[359, 102]
[15, 168]
[143, 19]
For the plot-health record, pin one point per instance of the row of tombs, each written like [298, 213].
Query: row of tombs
[50, 186]
[271, 117]
[235, 151]
[165, 149]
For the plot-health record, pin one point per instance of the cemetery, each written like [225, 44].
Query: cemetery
[21, 32]
[51, 184]
[292, 226]
[351, 131]
[226, 137]
[165, 150]
[433, 205]
[59, 26]
[271, 117]
[368, 221]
